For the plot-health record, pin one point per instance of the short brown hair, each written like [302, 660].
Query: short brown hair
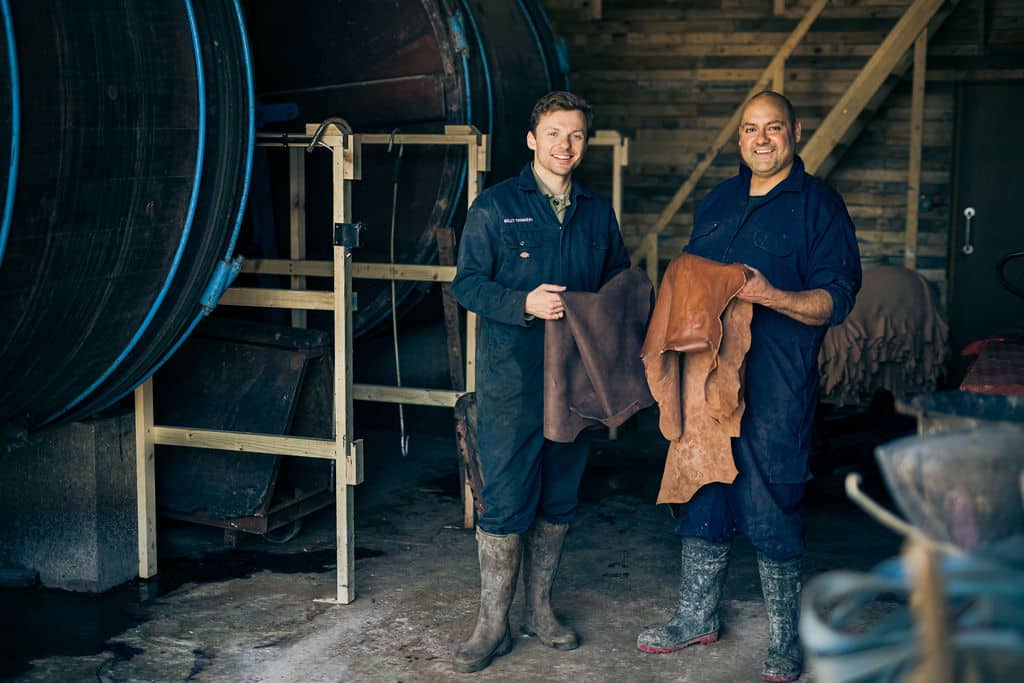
[560, 100]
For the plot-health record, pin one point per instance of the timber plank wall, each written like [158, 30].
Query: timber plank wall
[668, 74]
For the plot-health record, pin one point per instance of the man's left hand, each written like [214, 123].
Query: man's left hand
[757, 290]
[811, 307]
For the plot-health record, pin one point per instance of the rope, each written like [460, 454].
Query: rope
[403, 437]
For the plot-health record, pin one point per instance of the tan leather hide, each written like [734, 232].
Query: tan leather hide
[697, 314]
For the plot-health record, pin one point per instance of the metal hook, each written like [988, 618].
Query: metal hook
[391, 143]
[338, 122]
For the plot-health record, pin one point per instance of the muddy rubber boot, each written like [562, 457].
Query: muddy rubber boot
[780, 583]
[700, 590]
[499, 572]
[542, 550]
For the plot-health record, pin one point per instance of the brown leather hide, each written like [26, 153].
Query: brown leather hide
[697, 314]
[592, 368]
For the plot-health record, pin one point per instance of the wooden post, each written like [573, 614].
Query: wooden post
[145, 479]
[480, 161]
[297, 224]
[779, 78]
[916, 136]
[779, 7]
[345, 161]
[620, 159]
[446, 257]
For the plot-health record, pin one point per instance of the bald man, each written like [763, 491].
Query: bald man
[796, 235]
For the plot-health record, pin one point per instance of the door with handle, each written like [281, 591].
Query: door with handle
[988, 212]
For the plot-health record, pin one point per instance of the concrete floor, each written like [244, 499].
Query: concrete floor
[248, 614]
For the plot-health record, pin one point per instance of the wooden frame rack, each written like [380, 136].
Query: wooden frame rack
[343, 449]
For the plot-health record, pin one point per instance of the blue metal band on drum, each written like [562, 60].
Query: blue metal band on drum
[201, 148]
[229, 267]
[12, 176]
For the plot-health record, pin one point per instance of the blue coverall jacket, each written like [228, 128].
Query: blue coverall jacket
[512, 243]
[800, 237]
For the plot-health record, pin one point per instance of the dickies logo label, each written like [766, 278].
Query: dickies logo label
[524, 254]
[526, 219]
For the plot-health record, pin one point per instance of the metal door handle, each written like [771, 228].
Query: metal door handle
[968, 248]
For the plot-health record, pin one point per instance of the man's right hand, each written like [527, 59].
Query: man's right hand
[544, 302]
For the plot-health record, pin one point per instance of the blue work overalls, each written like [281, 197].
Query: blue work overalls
[800, 237]
[512, 243]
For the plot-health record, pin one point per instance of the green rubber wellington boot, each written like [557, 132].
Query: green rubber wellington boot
[700, 590]
[499, 572]
[780, 583]
[542, 550]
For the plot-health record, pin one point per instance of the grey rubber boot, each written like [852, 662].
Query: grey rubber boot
[499, 572]
[780, 583]
[700, 590]
[542, 550]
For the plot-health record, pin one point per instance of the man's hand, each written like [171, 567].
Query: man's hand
[811, 307]
[758, 290]
[544, 302]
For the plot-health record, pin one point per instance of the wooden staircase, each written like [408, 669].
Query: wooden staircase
[869, 89]
[672, 76]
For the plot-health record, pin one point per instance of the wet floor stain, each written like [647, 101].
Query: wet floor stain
[42, 622]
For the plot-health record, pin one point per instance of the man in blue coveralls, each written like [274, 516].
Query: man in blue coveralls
[526, 240]
[794, 232]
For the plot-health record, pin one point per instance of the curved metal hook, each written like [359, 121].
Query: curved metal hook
[391, 143]
[338, 122]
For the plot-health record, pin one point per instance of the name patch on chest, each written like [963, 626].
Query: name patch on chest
[527, 219]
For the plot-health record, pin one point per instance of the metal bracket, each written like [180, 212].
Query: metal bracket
[347, 234]
[223, 276]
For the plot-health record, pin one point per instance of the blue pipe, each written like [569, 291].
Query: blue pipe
[200, 151]
[12, 178]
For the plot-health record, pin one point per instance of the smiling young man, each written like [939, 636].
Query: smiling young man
[793, 231]
[526, 240]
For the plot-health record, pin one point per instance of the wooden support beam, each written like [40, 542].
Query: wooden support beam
[385, 271]
[145, 478]
[445, 238]
[444, 398]
[244, 442]
[867, 86]
[916, 135]
[779, 78]
[345, 161]
[360, 271]
[278, 298]
[471, 335]
[650, 246]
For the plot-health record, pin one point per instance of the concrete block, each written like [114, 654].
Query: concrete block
[67, 505]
